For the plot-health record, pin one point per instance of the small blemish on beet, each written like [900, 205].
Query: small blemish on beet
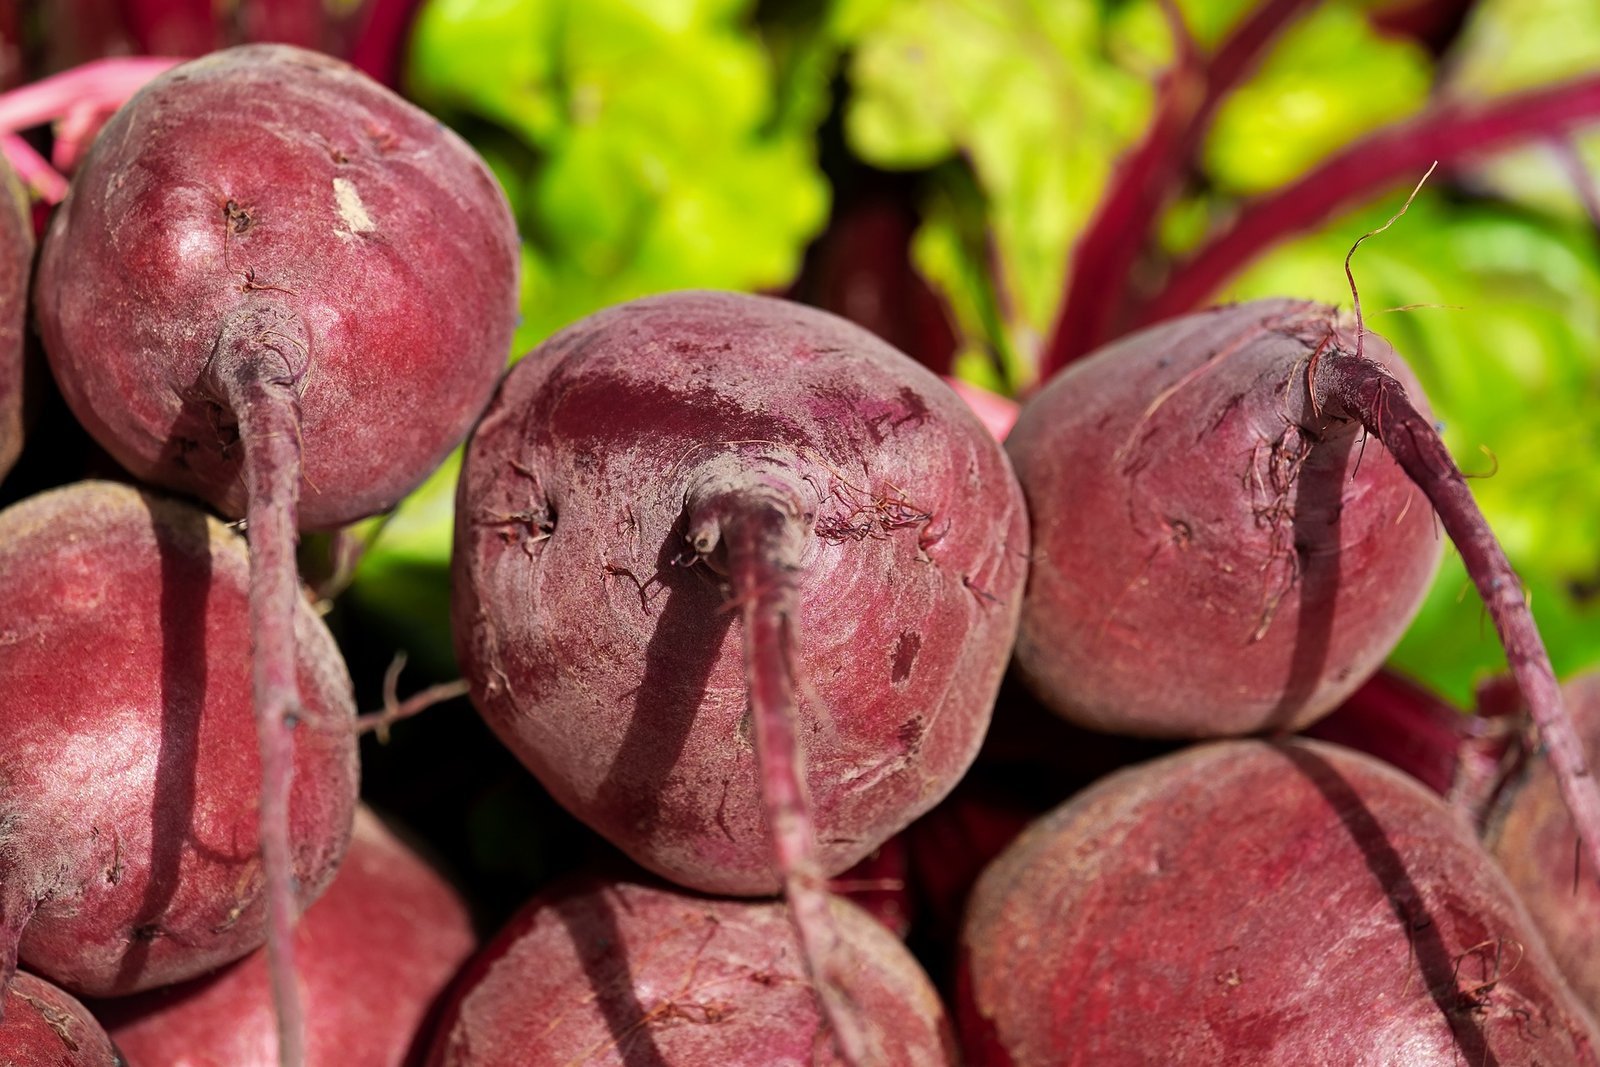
[910, 733]
[382, 138]
[916, 411]
[905, 655]
[237, 217]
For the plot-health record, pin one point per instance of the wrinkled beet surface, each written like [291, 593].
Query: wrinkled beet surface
[1531, 835]
[1211, 555]
[1245, 902]
[618, 973]
[373, 954]
[128, 741]
[615, 671]
[16, 263]
[46, 1027]
[271, 178]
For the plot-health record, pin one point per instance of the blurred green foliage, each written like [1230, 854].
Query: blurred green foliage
[660, 144]
[1331, 78]
[643, 144]
[1037, 99]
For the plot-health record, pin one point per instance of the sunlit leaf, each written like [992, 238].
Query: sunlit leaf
[1041, 99]
[655, 151]
[1027, 95]
[1331, 78]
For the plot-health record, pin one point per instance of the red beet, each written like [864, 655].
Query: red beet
[270, 204]
[661, 469]
[1217, 551]
[280, 287]
[618, 973]
[1531, 835]
[374, 952]
[1213, 556]
[1245, 902]
[129, 798]
[16, 262]
[45, 1027]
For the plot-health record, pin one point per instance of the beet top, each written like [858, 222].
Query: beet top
[1245, 902]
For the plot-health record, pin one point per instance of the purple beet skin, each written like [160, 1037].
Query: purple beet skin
[1531, 834]
[46, 1027]
[1266, 904]
[279, 191]
[1217, 551]
[595, 972]
[129, 797]
[375, 953]
[604, 650]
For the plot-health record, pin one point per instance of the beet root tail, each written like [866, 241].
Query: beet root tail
[259, 363]
[747, 526]
[1359, 388]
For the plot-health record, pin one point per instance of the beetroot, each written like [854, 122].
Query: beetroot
[270, 205]
[1217, 550]
[129, 800]
[374, 952]
[1214, 555]
[1531, 835]
[45, 1027]
[619, 973]
[16, 262]
[278, 286]
[664, 467]
[1247, 902]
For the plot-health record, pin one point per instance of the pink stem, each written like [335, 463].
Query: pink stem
[104, 81]
[259, 361]
[32, 168]
[754, 521]
[1448, 133]
[75, 131]
[1146, 179]
[1365, 391]
[997, 413]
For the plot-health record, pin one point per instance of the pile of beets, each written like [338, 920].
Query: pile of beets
[743, 586]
